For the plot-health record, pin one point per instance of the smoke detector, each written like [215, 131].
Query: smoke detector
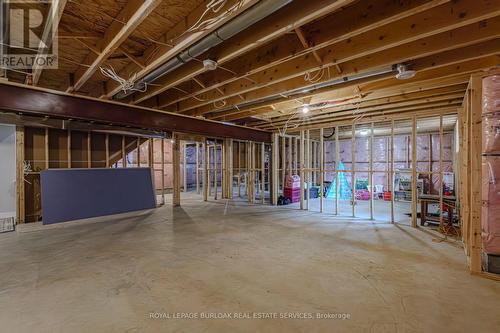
[209, 64]
[404, 73]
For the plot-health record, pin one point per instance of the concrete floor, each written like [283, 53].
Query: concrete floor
[212, 258]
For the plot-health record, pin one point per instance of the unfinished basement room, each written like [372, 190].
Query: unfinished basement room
[250, 166]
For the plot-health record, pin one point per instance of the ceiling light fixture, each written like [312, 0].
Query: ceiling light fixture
[404, 73]
[363, 132]
[210, 64]
[305, 109]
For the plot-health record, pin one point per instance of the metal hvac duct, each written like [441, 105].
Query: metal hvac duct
[256, 13]
[309, 89]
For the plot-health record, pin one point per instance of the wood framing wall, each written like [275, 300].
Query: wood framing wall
[305, 155]
[39, 149]
[470, 157]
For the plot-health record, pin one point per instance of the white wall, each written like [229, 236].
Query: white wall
[7, 170]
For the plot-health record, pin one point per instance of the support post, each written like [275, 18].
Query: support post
[392, 177]
[21, 208]
[274, 169]
[176, 165]
[414, 194]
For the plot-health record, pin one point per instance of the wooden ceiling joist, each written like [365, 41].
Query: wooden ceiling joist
[134, 13]
[353, 103]
[51, 22]
[295, 14]
[431, 78]
[157, 54]
[360, 17]
[289, 75]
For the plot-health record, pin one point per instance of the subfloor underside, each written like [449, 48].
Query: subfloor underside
[130, 274]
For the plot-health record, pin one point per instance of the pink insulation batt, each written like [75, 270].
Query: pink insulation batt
[491, 205]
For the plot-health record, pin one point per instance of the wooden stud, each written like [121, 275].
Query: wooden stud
[223, 169]
[246, 145]
[295, 155]
[184, 166]
[414, 191]
[176, 165]
[46, 149]
[321, 168]
[254, 170]
[301, 168]
[283, 164]
[151, 155]
[151, 163]
[209, 170]
[337, 159]
[476, 173]
[353, 168]
[89, 150]
[262, 173]
[392, 176]
[216, 176]
[440, 172]
[20, 190]
[162, 150]
[204, 168]
[69, 149]
[290, 156]
[197, 168]
[429, 157]
[239, 168]
[138, 152]
[308, 168]
[274, 169]
[370, 172]
[230, 160]
[106, 143]
[124, 152]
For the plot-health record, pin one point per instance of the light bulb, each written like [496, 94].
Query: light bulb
[363, 132]
[305, 109]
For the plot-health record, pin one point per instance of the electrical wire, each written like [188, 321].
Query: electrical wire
[126, 85]
[314, 78]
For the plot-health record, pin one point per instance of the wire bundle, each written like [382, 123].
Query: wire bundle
[125, 85]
